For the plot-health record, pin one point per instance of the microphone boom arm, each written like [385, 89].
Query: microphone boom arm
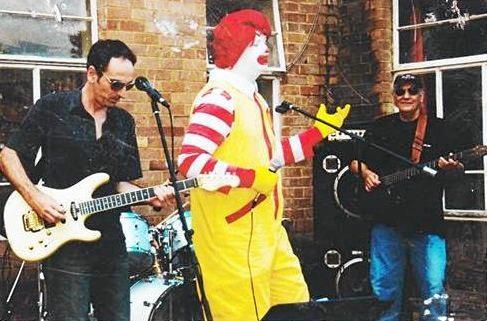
[285, 106]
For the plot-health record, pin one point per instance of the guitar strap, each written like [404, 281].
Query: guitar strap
[417, 146]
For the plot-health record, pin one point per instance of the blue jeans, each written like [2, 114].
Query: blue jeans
[389, 252]
[83, 273]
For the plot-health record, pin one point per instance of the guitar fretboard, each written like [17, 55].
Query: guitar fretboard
[124, 199]
[411, 172]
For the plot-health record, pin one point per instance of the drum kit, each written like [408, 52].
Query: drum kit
[156, 253]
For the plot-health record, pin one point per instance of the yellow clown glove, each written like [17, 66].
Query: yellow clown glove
[335, 119]
[264, 180]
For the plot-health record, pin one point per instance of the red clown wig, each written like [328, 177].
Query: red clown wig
[235, 32]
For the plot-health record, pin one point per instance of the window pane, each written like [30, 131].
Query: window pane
[44, 37]
[15, 99]
[66, 7]
[54, 80]
[445, 41]
[466, 194]
[217, 9]
[434, 10]
[462, 105]
[265, 89]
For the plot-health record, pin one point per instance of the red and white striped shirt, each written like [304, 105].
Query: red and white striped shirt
[211, 123]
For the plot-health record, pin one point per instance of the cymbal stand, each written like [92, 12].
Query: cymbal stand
[8, 312]
[42, 299]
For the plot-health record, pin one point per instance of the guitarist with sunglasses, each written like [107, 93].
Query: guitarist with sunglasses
[407, 221]
[82, 132]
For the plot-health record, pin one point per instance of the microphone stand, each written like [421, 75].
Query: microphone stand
[285, 106]
[194, 268]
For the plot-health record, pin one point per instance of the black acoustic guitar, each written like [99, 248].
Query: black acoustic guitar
[350, 195]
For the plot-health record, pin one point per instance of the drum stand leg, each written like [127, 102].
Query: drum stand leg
[8, 312]
[42, 290]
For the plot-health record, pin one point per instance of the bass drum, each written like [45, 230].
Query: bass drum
[158, 299]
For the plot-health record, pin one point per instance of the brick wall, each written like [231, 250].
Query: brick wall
[303, 24]
[173, 57]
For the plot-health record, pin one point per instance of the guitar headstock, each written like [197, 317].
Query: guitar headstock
[212, 182]
[478, 151]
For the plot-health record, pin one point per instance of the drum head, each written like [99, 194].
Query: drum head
[159, 299]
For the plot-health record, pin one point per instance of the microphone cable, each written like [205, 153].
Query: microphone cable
[250, 268]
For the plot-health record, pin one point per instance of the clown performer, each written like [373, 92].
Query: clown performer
[244, 252]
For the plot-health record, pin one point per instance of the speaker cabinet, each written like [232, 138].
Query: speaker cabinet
[341, 241]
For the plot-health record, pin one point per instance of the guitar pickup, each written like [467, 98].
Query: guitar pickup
[32, 222]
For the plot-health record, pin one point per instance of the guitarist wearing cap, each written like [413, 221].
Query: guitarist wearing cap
[407, 222]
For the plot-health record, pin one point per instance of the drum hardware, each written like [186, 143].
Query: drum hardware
[8, 307]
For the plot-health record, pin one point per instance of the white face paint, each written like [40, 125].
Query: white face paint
[254, 58]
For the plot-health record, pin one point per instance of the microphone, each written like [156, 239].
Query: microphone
[284, 107]
[144, 85]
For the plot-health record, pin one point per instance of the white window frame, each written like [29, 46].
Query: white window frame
[438, 67]
[397, 66]
[276, 98]
[279, 43]
[54, 61]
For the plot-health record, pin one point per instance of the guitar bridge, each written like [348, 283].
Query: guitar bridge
[32, 222]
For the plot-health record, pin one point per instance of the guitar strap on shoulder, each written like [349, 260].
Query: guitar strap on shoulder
[417, 146]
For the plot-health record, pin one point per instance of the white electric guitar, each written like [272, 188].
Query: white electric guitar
[33, 239]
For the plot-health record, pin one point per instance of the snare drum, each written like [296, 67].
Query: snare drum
[156, 298]
[137, 239]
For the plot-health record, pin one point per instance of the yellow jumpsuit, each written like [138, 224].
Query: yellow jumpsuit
[248, 264]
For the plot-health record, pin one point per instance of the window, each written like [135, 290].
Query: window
[43, 48]
[46, 30]
[431, 31]
[445, 42]
[217, 9]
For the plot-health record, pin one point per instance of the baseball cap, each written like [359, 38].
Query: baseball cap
[414, 80]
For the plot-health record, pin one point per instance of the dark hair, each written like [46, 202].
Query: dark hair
[103, 50]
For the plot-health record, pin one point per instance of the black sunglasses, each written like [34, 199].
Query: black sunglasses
[117, 85]
[402, 91]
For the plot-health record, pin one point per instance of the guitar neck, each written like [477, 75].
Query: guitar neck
[411, 172]
[110, 202]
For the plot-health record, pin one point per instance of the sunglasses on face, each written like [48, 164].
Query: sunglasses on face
[117, 85]
[402, 91]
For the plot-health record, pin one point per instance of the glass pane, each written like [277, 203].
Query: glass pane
[44, 37]
[265, 89]
[433, 10]
[462, 106]
[65, 7]
[15, 99]
[430, 92]
[466, 194]
[216, 9]
[445, 41]
[55, 80]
